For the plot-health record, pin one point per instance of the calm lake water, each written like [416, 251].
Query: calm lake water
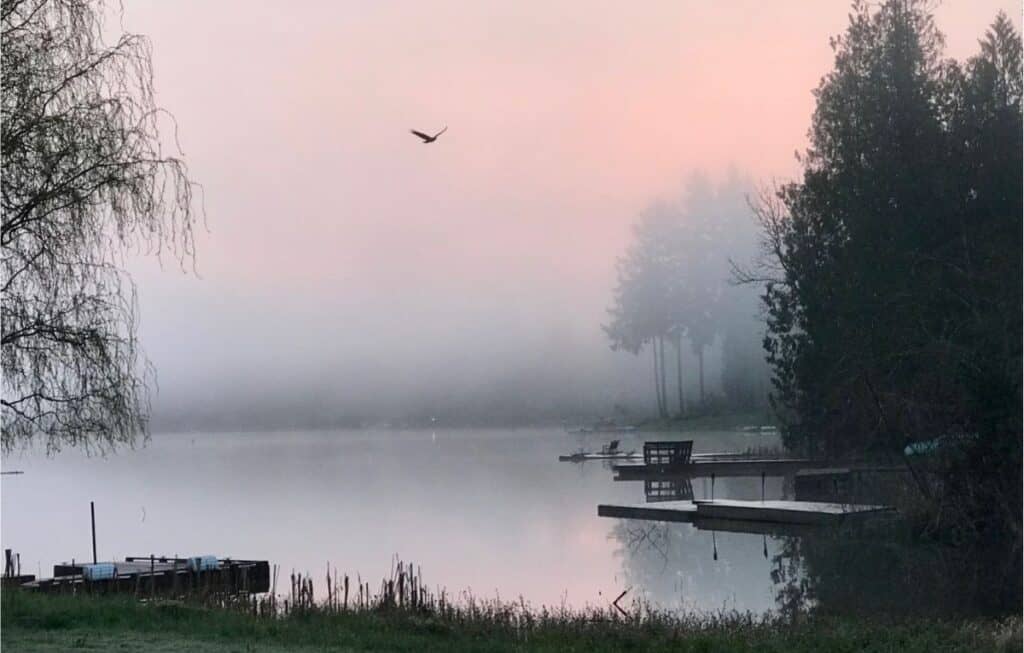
[490, 511]
[487, 511]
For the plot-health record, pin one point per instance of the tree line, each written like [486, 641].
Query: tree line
[892, 269]
[890, 273]
[673, 288]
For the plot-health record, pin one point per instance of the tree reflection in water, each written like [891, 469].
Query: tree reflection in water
[883, 572]
[861, 571]
[674, 566]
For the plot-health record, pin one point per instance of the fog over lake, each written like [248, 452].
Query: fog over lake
[350, 273]
[492, 511]
[366, 270]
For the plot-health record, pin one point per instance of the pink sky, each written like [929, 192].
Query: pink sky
[565, 119]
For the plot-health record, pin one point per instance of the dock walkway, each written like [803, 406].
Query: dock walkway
[160, 575]
[722, 467]
[797, 513]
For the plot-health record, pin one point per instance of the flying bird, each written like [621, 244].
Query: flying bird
[427, 138]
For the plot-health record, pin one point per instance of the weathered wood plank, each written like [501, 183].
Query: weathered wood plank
[742, 516]
[165, 575]
[678, 511]
[784, 512]
[707, 467]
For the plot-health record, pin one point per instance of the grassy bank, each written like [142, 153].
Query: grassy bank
[32, 622]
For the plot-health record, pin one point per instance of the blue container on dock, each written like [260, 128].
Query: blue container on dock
[202, 563]
[98, 571]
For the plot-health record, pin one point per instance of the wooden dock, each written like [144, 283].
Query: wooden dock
[726, 467]
[160, 575]
[582, 456]
[742, 516]
[784, 512]
[678, 511]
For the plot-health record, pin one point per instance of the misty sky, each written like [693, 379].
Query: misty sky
[349, 263]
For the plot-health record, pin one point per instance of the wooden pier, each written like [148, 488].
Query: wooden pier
[678, 511]
[743, 516]
[160, 575]
[707, 466]
[583, 456]
[784, 512]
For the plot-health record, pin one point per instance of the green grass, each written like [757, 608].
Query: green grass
[34, 622]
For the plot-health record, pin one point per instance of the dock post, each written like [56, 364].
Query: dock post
[92, 513]
[762, 486]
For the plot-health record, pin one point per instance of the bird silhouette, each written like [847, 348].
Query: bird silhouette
[426, 137]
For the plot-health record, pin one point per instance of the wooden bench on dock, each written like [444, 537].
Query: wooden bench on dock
[668, 452]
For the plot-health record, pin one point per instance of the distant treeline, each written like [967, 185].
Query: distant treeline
[675, 286]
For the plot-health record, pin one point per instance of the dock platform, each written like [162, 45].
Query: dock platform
[160, 575]
[743, 516]
[582, 456]
[784, 512]
[722, 467]
[678, 511]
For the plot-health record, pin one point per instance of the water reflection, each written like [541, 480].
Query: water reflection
[878, 570]
[493, 511]
[680, 566]
[668, 489]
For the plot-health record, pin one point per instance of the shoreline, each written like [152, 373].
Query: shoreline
[32, 622]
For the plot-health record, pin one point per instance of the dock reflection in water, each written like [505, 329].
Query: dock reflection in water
[492, 511]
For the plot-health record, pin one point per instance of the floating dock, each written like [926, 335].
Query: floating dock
[742, 516]
[678, 511]
[581, 456]
[784, 512]
[706, 466]
[703, 458]
[160, 575]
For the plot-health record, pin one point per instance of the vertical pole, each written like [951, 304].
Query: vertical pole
[762, 486]
[92, 512]
[713, 488]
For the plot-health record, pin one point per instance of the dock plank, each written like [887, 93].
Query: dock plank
[707, 466]
[678, 511]
[161, 575]
[742, 516]
[784, 512]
